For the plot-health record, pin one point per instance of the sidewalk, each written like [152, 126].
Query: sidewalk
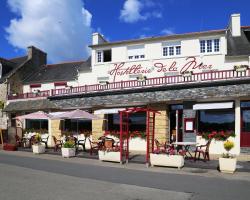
[188, 169]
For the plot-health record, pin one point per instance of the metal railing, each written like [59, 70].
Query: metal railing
[133, 84]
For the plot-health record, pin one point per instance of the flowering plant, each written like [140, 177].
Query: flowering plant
[37, 138]
[132, 134]
[217, 135]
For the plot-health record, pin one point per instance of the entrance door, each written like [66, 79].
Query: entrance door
[176, 133]
[245, 128]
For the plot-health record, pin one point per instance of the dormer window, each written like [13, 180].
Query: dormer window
[104, 56]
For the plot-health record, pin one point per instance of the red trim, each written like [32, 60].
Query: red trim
[150, 82]
[60, 84]
[35, 85]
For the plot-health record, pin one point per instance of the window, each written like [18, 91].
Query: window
[216, 120]
[216, 45]
[178, 50]
[171, 48]
[99, 56]
[36, 124]
[209, 46]
[107, 55]
[171, 51]
[104, 56]
[202, 46]
[135, 52]
[137, 122]
[79, 125]
[165, 51]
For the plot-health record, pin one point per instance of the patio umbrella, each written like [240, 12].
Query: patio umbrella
[76, 114]
[36, 115]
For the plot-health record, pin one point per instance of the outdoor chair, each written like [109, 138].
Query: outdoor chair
[81, 143]
[202, 150]
[58, 143]
[160, 147]
[45, 141]
[32, 141]
[96, 146]
[19, 142]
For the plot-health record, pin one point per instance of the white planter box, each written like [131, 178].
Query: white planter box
[109, 156]
[38, 148]
[227, 165]
[167, 160]
[68, 152]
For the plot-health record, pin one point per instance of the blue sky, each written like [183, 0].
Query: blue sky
[63, 28]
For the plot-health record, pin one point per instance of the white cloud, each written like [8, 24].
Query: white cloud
[132, 11]
[168, 31]
[61, 28]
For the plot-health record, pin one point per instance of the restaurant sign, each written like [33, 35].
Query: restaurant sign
[190, 64]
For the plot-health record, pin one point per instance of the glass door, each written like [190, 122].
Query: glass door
[245, 128]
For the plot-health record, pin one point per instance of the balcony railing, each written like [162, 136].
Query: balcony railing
[133, 84]
[30, 95]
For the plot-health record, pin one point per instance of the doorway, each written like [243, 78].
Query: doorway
[176, 123]
[245, 127]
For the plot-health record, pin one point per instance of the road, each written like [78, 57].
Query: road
[37, 178]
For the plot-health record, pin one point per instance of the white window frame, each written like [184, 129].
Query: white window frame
[207, 50]
[101, 56]
[169, 49]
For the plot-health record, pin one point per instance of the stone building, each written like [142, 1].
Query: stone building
[12, 74]
[199, 82]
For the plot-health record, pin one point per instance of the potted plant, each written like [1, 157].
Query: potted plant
[110, 151]
[240, 68]
[166, 158]
[38, 147]
[69, 149]
[227, 163]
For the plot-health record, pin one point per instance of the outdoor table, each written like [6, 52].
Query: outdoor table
[186, 146]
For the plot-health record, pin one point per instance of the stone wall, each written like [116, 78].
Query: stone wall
[98, 128]
[161, 122]
[55, 128]
[3, 116]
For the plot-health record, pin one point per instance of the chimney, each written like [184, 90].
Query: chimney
[97, 38]
[37, 56]
[234, 25]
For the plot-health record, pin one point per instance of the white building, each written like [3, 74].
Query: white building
[198, 81]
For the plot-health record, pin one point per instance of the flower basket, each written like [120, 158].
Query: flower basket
[38, 148]
[166, 160]
[227, 163]
[112, 156]
[68, 152]
[240, 68]
[68, 149]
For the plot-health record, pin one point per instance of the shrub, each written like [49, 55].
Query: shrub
[38, 138]
[228, 145]
[69, 144]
